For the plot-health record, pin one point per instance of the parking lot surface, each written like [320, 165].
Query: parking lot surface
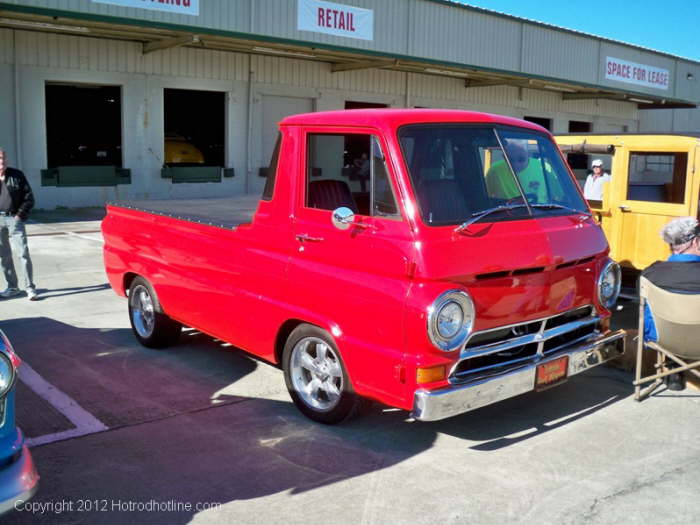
[204, 433]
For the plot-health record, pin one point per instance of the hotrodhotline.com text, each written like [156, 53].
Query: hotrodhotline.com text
[111, 505]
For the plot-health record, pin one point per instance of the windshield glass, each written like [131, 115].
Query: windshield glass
[460, 171]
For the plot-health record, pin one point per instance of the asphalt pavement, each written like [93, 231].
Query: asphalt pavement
[204, 433]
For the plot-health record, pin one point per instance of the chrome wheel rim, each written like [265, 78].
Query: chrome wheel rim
[142, 312]
[316, 374]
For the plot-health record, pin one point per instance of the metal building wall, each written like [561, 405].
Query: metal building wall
[247, 80]
[430, 29]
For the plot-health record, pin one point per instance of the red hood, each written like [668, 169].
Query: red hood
[513, 270]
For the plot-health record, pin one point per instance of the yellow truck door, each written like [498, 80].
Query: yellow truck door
[650, 186]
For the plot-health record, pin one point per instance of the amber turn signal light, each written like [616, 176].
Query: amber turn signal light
[430, 375]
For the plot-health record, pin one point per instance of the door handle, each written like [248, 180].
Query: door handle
[624, 208]
[303, 237]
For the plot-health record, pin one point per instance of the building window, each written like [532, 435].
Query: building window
[657, 177]
[83, 135]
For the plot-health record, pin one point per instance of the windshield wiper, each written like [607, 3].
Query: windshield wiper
[474, 217]
[552, 206]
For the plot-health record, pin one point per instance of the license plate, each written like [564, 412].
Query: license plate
[551, 373]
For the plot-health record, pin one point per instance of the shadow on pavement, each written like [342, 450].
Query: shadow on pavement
[67, 215]
[168, 443]
[50, 293]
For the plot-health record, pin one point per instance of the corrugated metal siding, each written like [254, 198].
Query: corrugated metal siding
[304, 73]
[53, 51]
[458, 35]
[687, 88]
[419, 28]
[92, 54]
[6, 47]
[552, 53]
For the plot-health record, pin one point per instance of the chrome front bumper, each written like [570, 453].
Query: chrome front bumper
[432, 405]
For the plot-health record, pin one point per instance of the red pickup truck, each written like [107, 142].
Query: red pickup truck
[436, 261]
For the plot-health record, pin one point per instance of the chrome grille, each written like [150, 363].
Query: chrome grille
[500, 349]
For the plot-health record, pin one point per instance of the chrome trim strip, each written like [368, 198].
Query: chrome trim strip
[432, 405]
[533, 321]
[539, 337]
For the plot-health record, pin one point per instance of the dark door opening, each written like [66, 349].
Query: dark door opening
[194, 125]
[546, 123]
[83, 125]
[350, 104]
[578, 161]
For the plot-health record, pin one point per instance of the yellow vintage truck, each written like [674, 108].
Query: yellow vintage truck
[654, 178]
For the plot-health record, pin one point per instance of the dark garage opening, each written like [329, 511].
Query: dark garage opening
[83, 125]
[546, 123]
[578, 161]
[194, 127]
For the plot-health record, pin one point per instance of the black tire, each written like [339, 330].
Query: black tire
[334, 408]
[151, 326]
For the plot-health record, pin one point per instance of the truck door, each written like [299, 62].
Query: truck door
[353, 280]
[650, 187]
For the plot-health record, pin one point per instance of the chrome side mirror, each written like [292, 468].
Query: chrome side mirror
[342, 218]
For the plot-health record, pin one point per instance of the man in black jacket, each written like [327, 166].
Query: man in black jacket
[16, 201]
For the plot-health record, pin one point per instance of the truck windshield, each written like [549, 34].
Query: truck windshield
[460, 171]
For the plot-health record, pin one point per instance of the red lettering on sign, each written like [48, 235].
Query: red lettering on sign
[332, 18]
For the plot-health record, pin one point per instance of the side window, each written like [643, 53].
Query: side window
[383, 197]
[348, 170]
[657, 177]
[272, 171]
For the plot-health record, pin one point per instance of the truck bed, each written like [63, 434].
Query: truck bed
[228, 212]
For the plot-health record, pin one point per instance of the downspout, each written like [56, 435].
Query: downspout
[18, 134]
[249, 139]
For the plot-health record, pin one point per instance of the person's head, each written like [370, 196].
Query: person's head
[682, 235]
[597, 166]
[517, 154]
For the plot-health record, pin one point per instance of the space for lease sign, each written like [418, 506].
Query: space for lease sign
[633, 73]
[335, 19]
[181, 7]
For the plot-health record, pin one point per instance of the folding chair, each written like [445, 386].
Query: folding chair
[677, 320]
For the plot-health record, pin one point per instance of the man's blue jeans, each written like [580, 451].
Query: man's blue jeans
[13, 238]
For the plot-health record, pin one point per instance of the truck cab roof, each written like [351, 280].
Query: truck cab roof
[394, 118]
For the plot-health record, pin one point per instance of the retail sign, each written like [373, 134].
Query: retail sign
[180, 7]
[335, 19]
[639, 74]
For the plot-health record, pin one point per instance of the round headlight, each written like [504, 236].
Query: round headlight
[7, 374]
[609, 284]
[450, 319]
